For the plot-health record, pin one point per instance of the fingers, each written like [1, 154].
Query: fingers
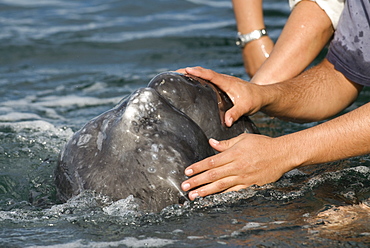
[238, 90]
[233, 114]
[210, 173]
[182, 71]
[227, 184]
[219, 173]
[212, 181]
[225, 144]
[216, 173]
[201, 72]
[221, 80]
[221, 185]
[204, 165]
[196, 71]
[225, 83]
[215, 161]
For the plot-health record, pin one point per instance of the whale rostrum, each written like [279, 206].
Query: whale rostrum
[142, 146]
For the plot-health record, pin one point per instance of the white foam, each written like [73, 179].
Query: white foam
[98, 86]
[34, 2]
[17, 116]
[251, 225]
[122, 207]
[60, 101]
[73, 100]
[28, 108]
[128, 241]
[38, 126]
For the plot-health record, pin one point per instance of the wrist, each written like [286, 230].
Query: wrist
[255, 53]
[273, 99]
[244, 38]
[261, 96]
[291, 153]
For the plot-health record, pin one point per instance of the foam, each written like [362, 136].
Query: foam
[40, 130]
[73, 100]
[34, 2]
[60, 101]
[17, 116]
[122, 207]
[30, 107]
[128, 241]
[38, 125]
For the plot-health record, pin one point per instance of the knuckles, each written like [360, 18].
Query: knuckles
[221, 185]
[212, 175]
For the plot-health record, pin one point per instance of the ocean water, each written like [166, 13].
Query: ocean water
[64, 62]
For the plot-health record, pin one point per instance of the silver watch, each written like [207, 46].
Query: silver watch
[243, 39]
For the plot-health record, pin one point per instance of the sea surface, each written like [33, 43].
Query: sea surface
[64, 62]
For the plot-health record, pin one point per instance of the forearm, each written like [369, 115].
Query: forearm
[249, 17]
[306, 32]
[316, 94]
[343, 137]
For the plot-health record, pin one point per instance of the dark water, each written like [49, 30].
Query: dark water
[64, 62]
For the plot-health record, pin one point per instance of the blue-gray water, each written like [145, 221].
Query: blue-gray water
[64, 62]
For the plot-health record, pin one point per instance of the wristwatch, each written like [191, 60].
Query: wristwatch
[243, 39]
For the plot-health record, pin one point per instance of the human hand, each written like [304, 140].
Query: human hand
[245, 96]
[246, 160]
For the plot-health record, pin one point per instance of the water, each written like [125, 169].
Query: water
[64, 62]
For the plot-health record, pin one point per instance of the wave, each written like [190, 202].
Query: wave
[217, 4]
[34, 3]
[159, 32]
[127, 242]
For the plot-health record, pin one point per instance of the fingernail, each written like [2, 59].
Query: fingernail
[214, 142]
[230, 122]
[193, 195]
[188, 172]
[185, 186]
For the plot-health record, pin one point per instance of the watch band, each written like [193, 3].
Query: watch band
[243, 39]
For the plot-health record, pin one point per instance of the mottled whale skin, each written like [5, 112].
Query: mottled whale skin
[142, 146]
[201, 101]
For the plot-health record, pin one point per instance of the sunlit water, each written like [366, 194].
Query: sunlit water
[64, 62]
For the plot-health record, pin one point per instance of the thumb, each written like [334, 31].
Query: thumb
[232, 115]
[223, 144]
[201, 72]
[181, 70]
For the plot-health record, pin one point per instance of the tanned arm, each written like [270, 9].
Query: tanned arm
[306, 32]
[249, 17]
[316, 94]
[256, 159]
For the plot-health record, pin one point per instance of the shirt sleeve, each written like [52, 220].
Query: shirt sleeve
[333, 8]
[349, 49]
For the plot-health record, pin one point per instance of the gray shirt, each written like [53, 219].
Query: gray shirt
[349, 50]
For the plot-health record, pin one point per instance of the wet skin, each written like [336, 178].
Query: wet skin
[142, 146]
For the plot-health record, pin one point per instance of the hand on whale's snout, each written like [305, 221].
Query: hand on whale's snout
[235, 88]
[233, 168]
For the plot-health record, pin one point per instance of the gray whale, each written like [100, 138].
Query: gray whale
[142, 146]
